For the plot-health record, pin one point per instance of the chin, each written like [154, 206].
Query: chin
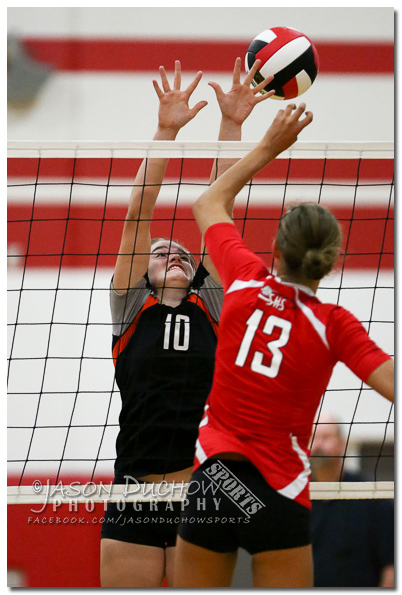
[179, 276]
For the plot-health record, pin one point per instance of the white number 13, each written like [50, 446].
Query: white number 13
[274, 346]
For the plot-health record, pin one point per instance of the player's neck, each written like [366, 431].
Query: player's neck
[286, 276]
[171, 296]
[313, 285]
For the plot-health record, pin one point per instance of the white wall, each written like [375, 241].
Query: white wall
[123, 106]
[202, 23]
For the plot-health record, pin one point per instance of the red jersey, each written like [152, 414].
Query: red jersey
[277, 347]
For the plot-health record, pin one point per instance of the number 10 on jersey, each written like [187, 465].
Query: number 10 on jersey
[181, 332]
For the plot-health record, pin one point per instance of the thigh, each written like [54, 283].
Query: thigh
[290, 568]
[170, 560]
[196, 566]
[131, 565]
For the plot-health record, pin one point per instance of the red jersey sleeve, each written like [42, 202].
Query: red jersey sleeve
[230, 255]
[351, 344]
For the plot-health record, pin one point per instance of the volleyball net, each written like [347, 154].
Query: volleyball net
[66, 206]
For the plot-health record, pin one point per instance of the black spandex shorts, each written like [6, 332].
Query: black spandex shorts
[243, 512]
[155, 524]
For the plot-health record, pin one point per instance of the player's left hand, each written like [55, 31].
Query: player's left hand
[174, 110]
[239, 102]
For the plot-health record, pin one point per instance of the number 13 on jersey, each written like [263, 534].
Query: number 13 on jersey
[274, 346]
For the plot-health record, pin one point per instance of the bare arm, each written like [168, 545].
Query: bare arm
[235, 106]
[216, 203]
[174, 113]
[382, 380]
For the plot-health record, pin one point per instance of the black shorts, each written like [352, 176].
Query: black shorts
[243, 512]
[153, 523]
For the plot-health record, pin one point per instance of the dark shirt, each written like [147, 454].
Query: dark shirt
[353, 540]
[164, 359]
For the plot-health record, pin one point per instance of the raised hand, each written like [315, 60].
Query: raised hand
[239, 102]
[286, 127]
[174, 111]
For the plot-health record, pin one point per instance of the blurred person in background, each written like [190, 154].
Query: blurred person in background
[353, 540]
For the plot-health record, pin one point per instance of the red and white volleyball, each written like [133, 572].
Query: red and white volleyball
[287, 54]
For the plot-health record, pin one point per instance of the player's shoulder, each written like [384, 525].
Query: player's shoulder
[329, 313]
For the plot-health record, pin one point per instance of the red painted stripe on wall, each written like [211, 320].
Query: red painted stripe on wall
[138, 55]
[83, 236]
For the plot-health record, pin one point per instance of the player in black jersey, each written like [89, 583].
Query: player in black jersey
[165, 311]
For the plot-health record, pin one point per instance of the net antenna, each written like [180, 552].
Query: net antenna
[67, 202]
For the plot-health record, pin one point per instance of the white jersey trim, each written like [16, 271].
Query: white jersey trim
[304, 288]
[295, 488]
[199, 452]
[204, 420]
[319, 327]
[238, 285]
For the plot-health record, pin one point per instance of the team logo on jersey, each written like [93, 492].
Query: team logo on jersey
[272, 299]
[267, 290]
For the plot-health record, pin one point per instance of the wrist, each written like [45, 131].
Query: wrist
[264, 154]
[229, 129]
[166, 133]
[268, 148]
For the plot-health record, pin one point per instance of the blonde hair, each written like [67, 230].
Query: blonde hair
[309, 238]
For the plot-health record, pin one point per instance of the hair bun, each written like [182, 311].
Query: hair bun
[309, 238]
[317, 263]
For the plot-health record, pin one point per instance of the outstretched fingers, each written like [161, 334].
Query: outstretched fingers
[308, 118]
[157, 88]
[194, 111]
[176, 81]
[289, 109]
[217, 88]
[251, 72]
[164, 79]
[298, 112]
[286, 127]
[237, 72]
[261, 86]
[264, 96]
[177, 75]
[193, 85]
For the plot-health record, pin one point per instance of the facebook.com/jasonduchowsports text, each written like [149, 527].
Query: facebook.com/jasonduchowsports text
[137, 502]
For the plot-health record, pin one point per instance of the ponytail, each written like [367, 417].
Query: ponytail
[309, 239]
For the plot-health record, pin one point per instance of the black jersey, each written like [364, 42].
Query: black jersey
[164, 360]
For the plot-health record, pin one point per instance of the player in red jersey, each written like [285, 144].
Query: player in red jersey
[277, 348]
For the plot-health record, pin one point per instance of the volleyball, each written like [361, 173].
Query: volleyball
[288, 55]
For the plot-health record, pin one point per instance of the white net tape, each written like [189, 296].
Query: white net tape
[194, 149]
[39, 493]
